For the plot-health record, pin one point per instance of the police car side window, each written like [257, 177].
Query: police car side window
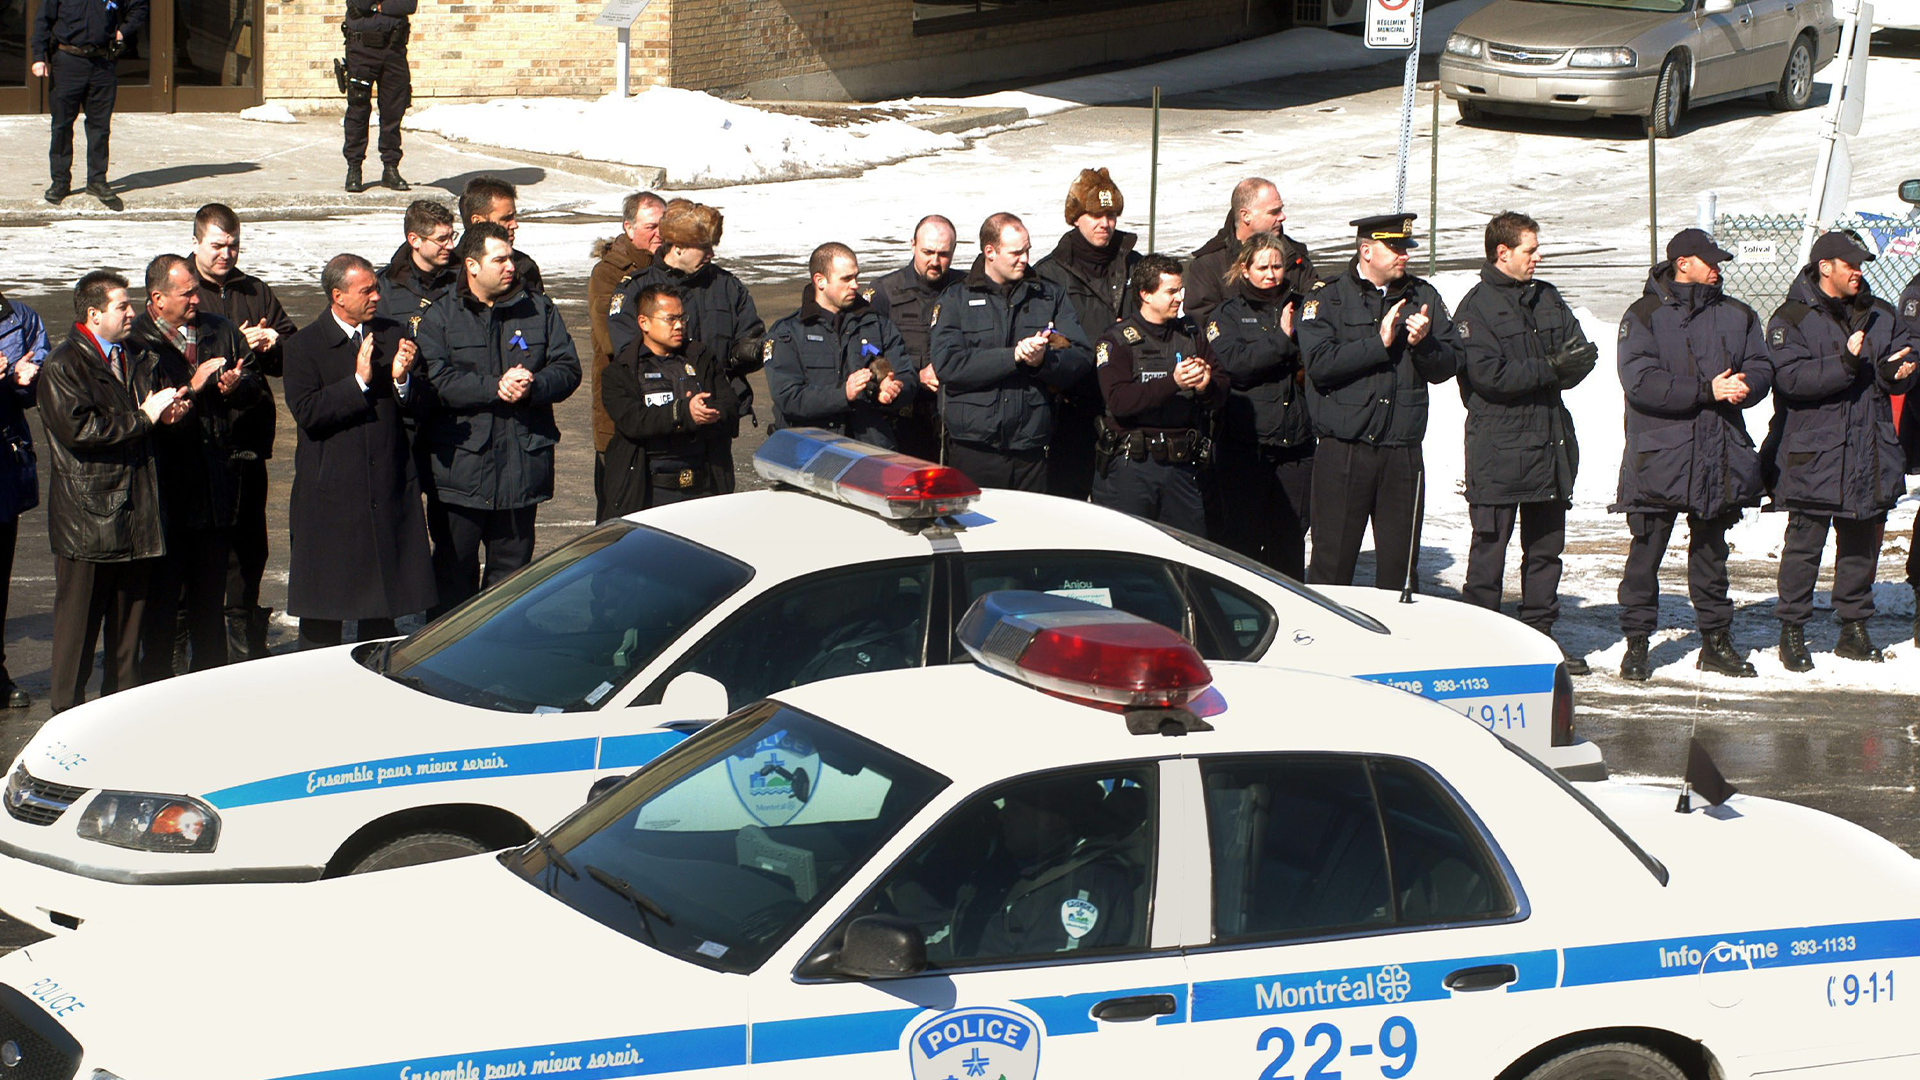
[1139, 586]
[1242, 623]
[1059, 865]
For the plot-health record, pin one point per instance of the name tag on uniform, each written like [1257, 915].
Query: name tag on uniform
[1149, 376]
[653, 375]
[1244, 319]
[663, 397]
[815, 337]
[977, 303]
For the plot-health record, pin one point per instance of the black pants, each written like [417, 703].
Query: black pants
[1706, 570]
[1021, 470]
[320, 633]
[1155, 490]
[459, 533]
[190, 576]
[918, 432]
[1070, 453]
[85, 596]
[388, 68]
[247, 556]
[1354, 483]
[1856, 557]
[1264, 495]
[1543, 536]
[9, 534]
[79, 84]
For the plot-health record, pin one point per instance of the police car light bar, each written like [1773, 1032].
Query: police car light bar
[859, 474]
[1083, 651]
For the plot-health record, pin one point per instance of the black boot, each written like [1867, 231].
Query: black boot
[353, 179]
[390, 177]
[1718, 654]
[1635, 664]
[237, 621]
[257, 623]
[1855, 644]
[1793, 648]
[1916, 608]
[58, 191]
[99, 190]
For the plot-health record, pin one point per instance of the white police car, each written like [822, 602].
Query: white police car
[501, 716]
[942, 874]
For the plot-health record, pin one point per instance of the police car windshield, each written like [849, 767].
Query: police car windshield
[1268, 573]
[734, 837]
[573, 627]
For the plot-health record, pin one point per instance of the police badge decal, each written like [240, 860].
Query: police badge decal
[983, 1041]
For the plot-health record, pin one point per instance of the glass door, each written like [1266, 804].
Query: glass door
[216, 54]
[19, 92]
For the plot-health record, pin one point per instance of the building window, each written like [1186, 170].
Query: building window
[936, 16]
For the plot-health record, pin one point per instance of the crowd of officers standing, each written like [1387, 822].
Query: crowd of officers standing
[1241, 395]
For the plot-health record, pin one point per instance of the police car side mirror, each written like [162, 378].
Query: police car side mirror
[876, 947]
[602, 786]
[1910, 191]
[696, 696]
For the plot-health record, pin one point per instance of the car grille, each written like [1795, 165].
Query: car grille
[33, 1046]
[1514, 54]
[38, 802]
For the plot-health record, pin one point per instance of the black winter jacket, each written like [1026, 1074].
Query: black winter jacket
[243, 299]
[1206, 277]
[1357, 388]
[103, 497]
[720, 315]
[810, 355]
[906, 299]
[1909, 308]
[1520, 439]
[992, 399]
[194, 455]
[406, 293]
[21, 333]
[1262, 363]
[646, 399]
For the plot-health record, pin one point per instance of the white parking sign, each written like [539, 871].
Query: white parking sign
[1390, 24]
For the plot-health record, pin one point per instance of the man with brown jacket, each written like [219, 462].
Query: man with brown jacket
[617, 258]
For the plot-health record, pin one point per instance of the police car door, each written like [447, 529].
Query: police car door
[1361, 924]
[1050, 931]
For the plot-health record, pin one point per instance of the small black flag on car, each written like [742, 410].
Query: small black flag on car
[1704, 777]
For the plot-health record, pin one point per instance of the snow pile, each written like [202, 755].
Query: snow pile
[269, 114]
[700, 140]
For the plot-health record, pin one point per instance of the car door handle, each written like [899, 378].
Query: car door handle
[1146, 1006]
[1490, 977]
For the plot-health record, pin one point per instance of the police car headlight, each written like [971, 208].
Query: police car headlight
[1468, 47]
[1618, 57]
[146, 822]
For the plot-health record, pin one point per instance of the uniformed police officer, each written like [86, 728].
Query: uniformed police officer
[1373, 338]
[1256, 207]
[1910, 442]
[376, 33]
[837, 363]
[1157, 380]
[1838, 352]
[906, 298]
[1057, 886]
[491, 199]
[1002, 339]
[663, 394]
[1520, 349]
[76, 42]
[421, 269]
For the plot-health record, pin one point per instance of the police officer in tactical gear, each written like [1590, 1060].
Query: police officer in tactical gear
[1160, 388]
[76, 42]
[376, 33]
[836, 363]
[906, 297]
[663, 395]
[1838, 352]
[1520, 349]
[1091, 264]
[1374, 338]
[1691, 358]
[1003, 340]
[1256, 207]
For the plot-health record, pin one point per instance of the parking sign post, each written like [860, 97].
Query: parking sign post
[1395, 24]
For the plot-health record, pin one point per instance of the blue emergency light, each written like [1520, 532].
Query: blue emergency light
[890, 484]
[1083, 651]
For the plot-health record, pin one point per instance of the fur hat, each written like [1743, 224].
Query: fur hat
[1093, 192]
[689, 224]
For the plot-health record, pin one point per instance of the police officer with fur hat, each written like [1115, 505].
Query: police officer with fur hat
[1091, 264]
[376, 33]
[1374, 337]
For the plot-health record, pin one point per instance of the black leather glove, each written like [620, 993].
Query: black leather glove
[1573, 361]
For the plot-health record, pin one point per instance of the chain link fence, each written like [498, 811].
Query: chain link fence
[1767, 247]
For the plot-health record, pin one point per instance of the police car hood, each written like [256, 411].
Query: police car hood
[245, 723]
[414, 972]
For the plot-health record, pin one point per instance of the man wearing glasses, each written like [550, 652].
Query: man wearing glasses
[250, 305]
[421, 267]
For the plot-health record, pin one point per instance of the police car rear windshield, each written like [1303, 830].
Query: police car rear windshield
[719, 850]
[1262, 570]
[572, 628]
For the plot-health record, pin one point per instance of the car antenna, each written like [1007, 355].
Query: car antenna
[1701, 774]
[1413, 535]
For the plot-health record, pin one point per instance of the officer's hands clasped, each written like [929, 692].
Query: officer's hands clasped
[1730, 387]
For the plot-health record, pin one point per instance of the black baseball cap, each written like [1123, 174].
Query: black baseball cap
[1839, 245]
[1394, 229]
[1698, 244]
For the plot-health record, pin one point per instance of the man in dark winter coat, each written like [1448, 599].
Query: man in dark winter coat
[1909, 307]
[1374, 338]
[421, 269]
[23, 348]
[1256, 208]
[1838, 352]
[906, 298]
[1092, 264]
[250, 305]
[615, 260]
[836, 363]
[1520, 348]
[493, 200]
[1690, 358]
[100, 402]
[499, 358]
[1003, 341]
[660, 394]
[203, 356]
[359, 538]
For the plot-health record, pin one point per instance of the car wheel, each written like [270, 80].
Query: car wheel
[413, 849]
[1796, 82]
[1609, 1061]
[1470, 111]
[1669, 99]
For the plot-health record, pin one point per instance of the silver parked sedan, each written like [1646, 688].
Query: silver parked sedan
[1651, 58]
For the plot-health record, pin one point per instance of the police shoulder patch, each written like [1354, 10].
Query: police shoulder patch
[1913, 307]
[1131, 334]
[1778, 337]
[690, 370]
[614, 307]
[1213, 330]
[1103, 353]
[867, 294]
[766, 350]
[1623, 329]
[1466, 331]
[1310, 310]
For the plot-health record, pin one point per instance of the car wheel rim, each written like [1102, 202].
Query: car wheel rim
[1800, 75]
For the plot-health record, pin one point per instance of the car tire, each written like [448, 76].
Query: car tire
[1796, 81]
[415, 848]
[1609, 1061]
[1469, 111]
[1669, 99]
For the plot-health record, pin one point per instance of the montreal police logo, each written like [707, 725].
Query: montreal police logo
[777, 780]
[980, 1043]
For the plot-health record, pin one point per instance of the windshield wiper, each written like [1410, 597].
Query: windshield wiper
[544, 845]
[641, 902]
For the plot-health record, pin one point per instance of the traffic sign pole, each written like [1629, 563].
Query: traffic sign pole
[1395, 24]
